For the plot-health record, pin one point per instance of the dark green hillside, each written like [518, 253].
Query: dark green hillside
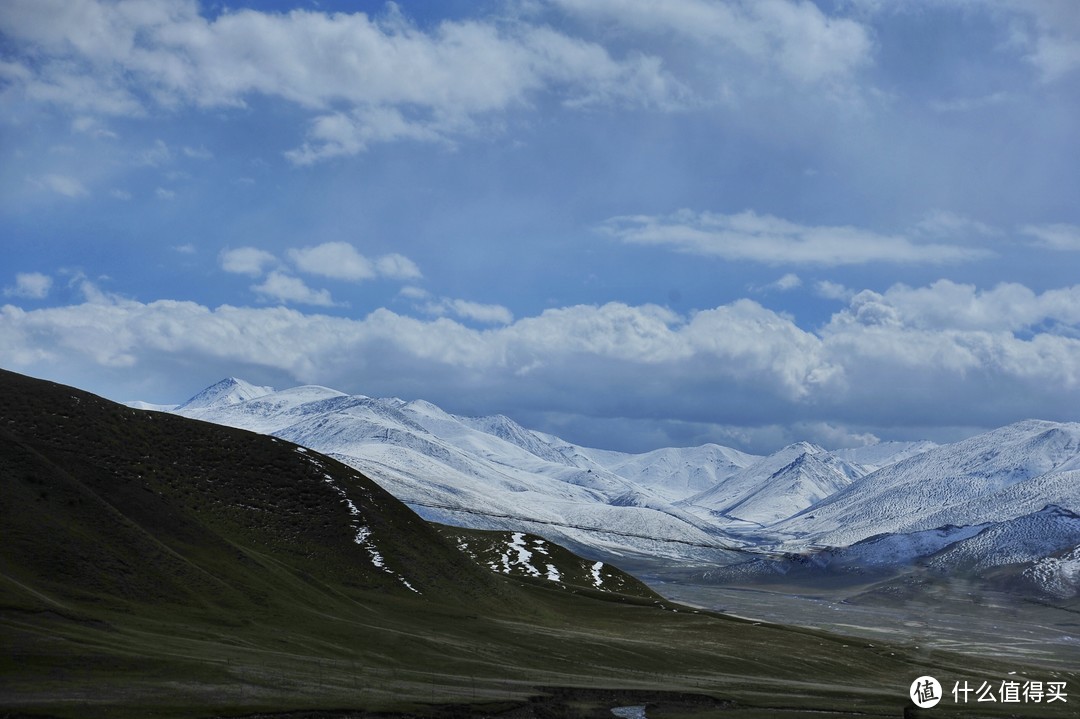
[156, 566]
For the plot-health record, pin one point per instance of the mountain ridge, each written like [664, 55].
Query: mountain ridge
[708, 504]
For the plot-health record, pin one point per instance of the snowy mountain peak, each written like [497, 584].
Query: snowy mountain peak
[228, 391]
[803, 448]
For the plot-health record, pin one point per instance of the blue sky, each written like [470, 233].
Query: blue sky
[630, 223]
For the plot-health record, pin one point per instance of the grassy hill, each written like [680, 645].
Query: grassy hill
[152, 565]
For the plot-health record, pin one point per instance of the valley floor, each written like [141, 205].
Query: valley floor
[958, 618]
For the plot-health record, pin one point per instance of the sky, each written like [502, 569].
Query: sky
[629, 223]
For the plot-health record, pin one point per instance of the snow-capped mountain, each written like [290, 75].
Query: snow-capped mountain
[226, 392]
[778, 486]
[1038, 550]
[887, 504]
[996, 476]
[487, 473]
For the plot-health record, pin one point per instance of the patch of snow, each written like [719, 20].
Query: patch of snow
[1059, 576]
[598, 580]
[553, 573]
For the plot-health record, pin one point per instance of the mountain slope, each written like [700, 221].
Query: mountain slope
[486, 473]
[692, 504]
[1005, 473]
[152, 565]
[775, 487]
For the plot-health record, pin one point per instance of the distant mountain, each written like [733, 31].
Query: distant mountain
[1034, 553]
[872, 457]
[999, 475]
[778, 486]
[226, 392]
[697, 504]
[491, 473]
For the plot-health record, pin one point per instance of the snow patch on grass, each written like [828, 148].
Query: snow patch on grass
[598, 580]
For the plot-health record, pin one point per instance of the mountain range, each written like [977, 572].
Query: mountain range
[709, 505]
[153, 565]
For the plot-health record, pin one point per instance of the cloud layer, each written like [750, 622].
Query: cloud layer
[886, 360]
[763, 238]
[363, 79]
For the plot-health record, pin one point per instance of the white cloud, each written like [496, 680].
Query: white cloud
[198, 153]
[833, 290]
[947, 305]
[185, 249]
[338, 260]
[795, 38]
[119, 194]
[156, 155]
[164, 194]
[475, 311]
[752, 237]
[788, 282]
[1047, 32]
[62, 185]
[1056, 237]
[88, 125]
[897, 359]
[971, 104]
[397, 267]
[33, 285]
[284, 288]
[342, 261]
[365, 79]
[247, 261]
[1053, 42]
[942, 223]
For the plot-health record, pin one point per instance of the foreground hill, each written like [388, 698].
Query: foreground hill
[154, 565]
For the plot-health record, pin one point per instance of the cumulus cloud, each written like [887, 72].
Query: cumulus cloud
[752, 237]
[285, 288]
[886, 360]
[397, 267]
[247, 261]
[338, 260]
[364, 79]
[342, 261]
[788, 282]
[476, 311]
[832, 290]
[947, 305]
[32, 285]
